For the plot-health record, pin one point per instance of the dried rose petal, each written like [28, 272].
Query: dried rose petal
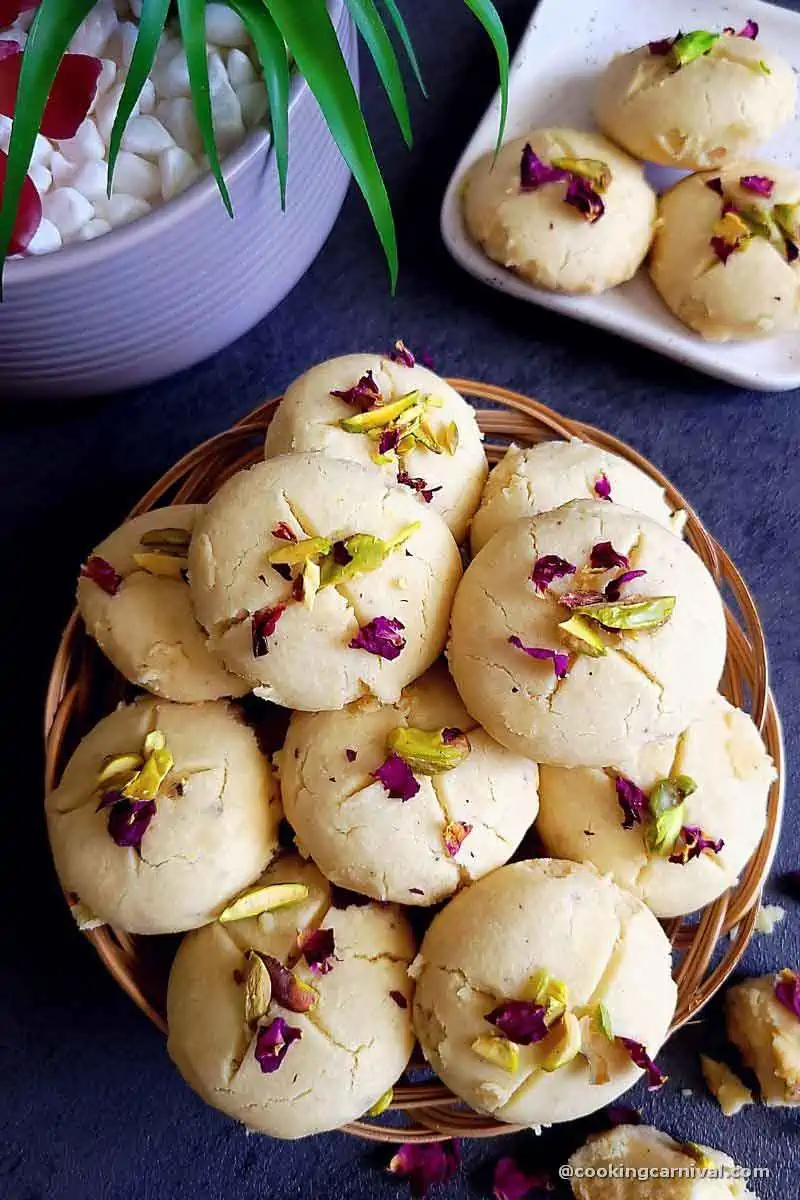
[604, 557]
[341, 555]
[613, 588]
[262, 626]
[722, 248]
[284, 570]
[560, 661]
[623, 1114]
[287, 990]
[521, 1021]
[602, 487]
[762, 185]
[632, 800]
[400, 353]
[351, 755]
[102, 573]
[399, 999]
[396, 776]
[638, 1055]
[70, 97]
[715, 185]
[581, 195]
[419, 485]
[661, 47]
[343, 898]
[454, 834]
[691, 843]
[363, 395]
[425, 1165]
[380, 636]
[284, 533]
[128, 820]
[791, 250]
[451, 734]
[580, 599]
[388, 440]
[550, 567]
[748, 30]
[318, 950]
[533, 172]
[787, 991]
[511, 1182]
[272, 1042]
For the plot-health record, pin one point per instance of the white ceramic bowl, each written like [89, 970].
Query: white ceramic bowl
[164, 292]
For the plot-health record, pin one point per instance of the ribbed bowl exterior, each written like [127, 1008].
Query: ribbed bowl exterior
[159, 295]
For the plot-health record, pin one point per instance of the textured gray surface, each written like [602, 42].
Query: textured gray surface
[90, 1107]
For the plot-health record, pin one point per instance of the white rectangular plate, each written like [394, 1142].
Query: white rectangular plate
[552, 81]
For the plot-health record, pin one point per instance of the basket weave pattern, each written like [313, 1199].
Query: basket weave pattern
[82, 688]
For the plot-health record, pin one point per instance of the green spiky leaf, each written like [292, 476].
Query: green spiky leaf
[306, 28]
[489, 18]
[192, 16]
[405, 37]
[151, 26]
[271, 50]
[53, 28]
[370, 26]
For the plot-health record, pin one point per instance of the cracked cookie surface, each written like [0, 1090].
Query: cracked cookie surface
[546, 241]
[387, 848]
[702, 115]
[147, 629]
[354, 1043]
[308, 419]
[485, 946]
[310, 664]
[214, 829]
[722, 752]
[648, 685]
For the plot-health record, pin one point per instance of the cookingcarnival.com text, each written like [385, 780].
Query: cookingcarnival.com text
[642, 1174]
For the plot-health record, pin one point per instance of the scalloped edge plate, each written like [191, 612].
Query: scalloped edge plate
[552, 79]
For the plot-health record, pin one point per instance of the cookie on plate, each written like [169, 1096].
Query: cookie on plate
[516, 1007]
[319, 583]
[675, 822]
[585, 631]
[697, 100]
[163, 813]
[135, 603]
[725, 259]
[405, 801]
[294, 1019]
[566, 210]
[390, 411]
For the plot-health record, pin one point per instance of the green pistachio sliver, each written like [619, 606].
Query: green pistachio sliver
[427, 438]
[552, 994]
[311, 581]
[690, 46]
[367, 553]
[263, 899]
[666, 793]
[567, 1044]
[145, 784]
[381, 1104]
[631, 614]
[380, 417]
[402, 537]
[450, 438]
[155, 740]
[593, 169]
[604, 1021]
[498, 1051]
[257, 988]
[761, 223]
[426, 752]
[763, 68]
[293, 553]
[583, 636]
[662, 833]
[787, 217]
[167, 541]
[119, 765]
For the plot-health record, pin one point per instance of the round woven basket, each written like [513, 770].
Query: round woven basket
[83, 687]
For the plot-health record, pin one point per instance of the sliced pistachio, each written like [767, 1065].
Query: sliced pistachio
[119, 764]
[288, 989]
[257, 988]
[666, 793]
[405, 445]
[263, 899]
[787, 217]
[689, 46]
[631, 614]
[597, 1050]
[402, 537]
[167, 541]
[604, 1021]
[311, 581]
[662, 833]
[381, 1104]
[169, 566]
[155, 740]
[377, 418]
[498, 1051]
[731, 228]
[427, 752]
[552, 993]
[290, 554]
[427, 438]
[145, 784]
[450, 438]
[566, 1037]
[760, 223]
[582, 636]
[594, 169]
[366, 554]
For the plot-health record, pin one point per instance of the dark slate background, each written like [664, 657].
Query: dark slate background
[89, 1105]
